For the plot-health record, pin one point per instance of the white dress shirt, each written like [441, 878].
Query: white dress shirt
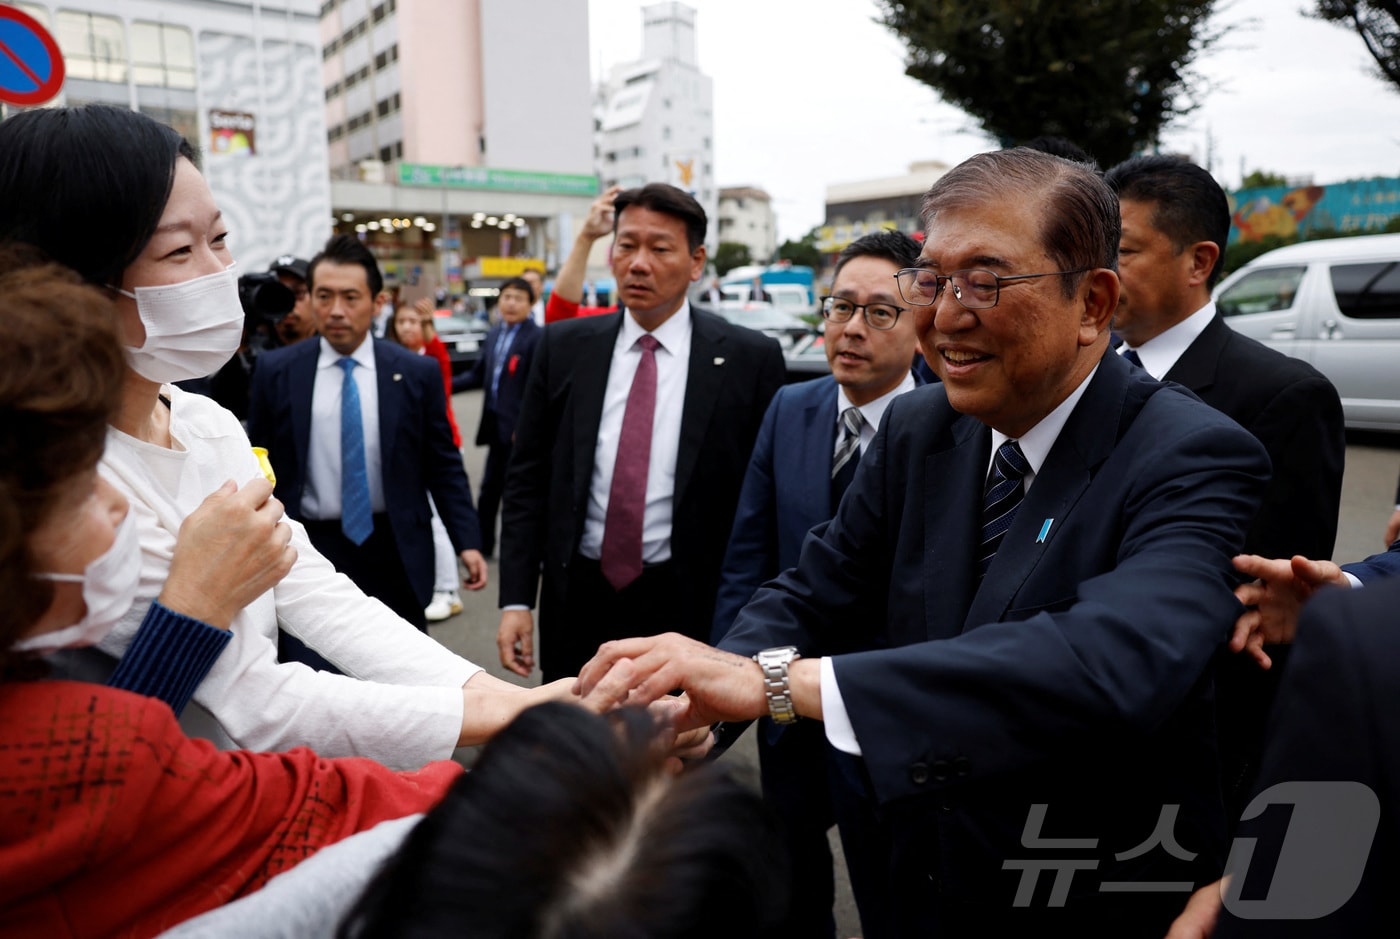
[321, 497]
[1160, 353]
[537, 312]
[872, 411]
[1035, 445]
[672, 368]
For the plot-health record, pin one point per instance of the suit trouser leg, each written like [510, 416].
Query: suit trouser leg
[488, 503]
[596, 613]
[793, 763]
[375, 566]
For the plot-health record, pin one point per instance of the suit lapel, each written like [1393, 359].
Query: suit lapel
[592, 357]
[1066, 474]
[818, 442]
[301, 380]
[704, 380]
[390, 403]
[952, 526]
[1196, 368]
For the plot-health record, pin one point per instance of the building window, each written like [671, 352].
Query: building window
[335, 133]
[184, 120]
[162, 55]
[665, 133]
[327, 7]
[331, 49]
[382, 60]
[388, 106]
[93, 46]
[386, 154]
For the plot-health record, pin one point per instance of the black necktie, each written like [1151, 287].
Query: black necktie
[1000, 500]
[1132, 356]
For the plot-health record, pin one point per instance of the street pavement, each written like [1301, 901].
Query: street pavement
[1368, 498]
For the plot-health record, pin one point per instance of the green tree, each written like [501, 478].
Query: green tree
[1377, 22]
[729, 255]
[1105, 74]
[804, 251]
[1262, 179]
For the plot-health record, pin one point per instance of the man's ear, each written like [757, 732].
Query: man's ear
[1100, 301]
[1204, 254]
[697, 264]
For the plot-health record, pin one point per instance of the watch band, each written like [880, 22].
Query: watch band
[774, 663]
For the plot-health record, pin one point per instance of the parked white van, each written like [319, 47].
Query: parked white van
[1333, 303]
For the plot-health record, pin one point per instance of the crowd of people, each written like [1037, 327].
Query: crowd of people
[1020, 595]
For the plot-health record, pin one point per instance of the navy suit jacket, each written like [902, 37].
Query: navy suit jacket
[732, 375]
[498, 422]
[1076, 676]
[1334, 724]
[415, 444]
[1296, 414]
[787, 492]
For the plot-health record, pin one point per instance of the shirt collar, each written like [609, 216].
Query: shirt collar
[873, 411]
[363, 355]
[1160, 353]
[1037, 442]
[671, 334]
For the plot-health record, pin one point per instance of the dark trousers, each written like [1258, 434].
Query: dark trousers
[793, 763]
[374, 566]
[597, 613]
[493, 483]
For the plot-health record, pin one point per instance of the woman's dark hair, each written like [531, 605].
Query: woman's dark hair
[86, 185]
[61, 373]
[569, 827]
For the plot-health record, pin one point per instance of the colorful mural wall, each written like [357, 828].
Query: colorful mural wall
[1297, 211]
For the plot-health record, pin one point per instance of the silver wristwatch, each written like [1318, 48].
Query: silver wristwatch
[774, 663]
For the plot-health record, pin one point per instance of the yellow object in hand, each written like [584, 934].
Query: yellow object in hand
[265, 464]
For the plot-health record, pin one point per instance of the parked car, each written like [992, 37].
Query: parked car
[766, 318]
[807, 358]
[462, 335]
[1333, 303]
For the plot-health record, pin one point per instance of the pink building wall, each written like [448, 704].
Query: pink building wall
[441, 79]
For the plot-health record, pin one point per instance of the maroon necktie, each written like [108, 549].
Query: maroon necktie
[621, 557]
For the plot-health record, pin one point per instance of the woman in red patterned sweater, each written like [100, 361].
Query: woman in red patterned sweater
[112, 821]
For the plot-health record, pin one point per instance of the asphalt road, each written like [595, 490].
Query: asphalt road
[1373, 461]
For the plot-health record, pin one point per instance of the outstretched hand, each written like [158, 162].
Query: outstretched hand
[1274, 599]
[601, 214]
[718, 686]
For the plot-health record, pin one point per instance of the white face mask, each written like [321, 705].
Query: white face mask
[192, 328]
[109, 584]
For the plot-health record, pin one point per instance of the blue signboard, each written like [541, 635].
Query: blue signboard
[1295, 212]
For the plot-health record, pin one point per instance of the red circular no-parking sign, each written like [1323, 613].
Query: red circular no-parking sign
[31, 67]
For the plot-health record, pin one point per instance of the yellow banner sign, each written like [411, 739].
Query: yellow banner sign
[509, 267]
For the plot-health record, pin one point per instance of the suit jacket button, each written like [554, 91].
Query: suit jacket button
[940, 771]
[918, 774]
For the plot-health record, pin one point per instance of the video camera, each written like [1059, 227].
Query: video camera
[265, 302]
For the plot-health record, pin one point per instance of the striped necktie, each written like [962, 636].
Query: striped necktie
[1000, 500]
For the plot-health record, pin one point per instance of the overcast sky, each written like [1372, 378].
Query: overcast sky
[811, 92]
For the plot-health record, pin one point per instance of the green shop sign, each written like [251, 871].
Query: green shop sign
[480, 177]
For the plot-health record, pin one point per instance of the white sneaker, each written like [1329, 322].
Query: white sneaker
[455, 602]
[439, 610]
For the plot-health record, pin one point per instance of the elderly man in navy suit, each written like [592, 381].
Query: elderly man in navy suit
[1008, 627]
[808, 448]
[357, 432]
[501, 370]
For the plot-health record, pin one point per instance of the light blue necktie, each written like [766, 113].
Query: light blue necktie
[503, 344]
[356, 516]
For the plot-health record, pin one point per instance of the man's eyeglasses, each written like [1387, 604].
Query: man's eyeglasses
[877, 315]
[974, 289]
